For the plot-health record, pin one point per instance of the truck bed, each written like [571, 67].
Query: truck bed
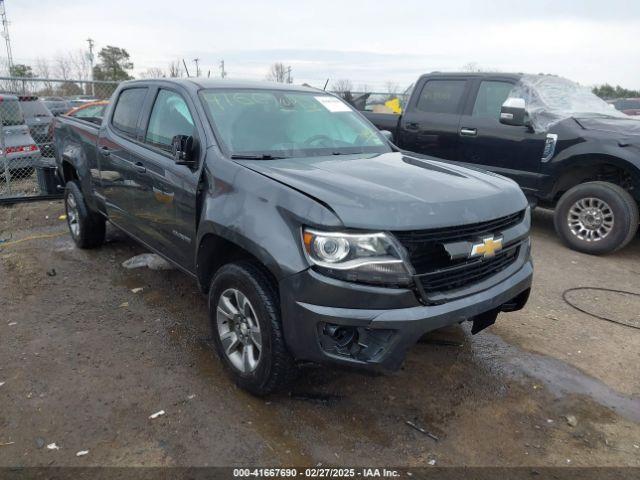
[383, 121]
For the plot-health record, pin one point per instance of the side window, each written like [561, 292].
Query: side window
[125, 115]
[491, 96]
[441, 96]
[170, 117]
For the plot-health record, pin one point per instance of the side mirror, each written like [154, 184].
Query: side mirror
[513, 112]
[387, 134]
[182, 150]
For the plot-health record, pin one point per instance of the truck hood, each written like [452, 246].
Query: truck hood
[619, 126]
[395, 191]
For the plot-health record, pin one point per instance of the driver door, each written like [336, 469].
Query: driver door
[511, 151]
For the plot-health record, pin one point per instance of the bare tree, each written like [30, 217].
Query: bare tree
[42, 70]
[278, 73]
[79, 64]
[364, 88]
[62, 67]
[174, 69]
[343, 88]
[153, 72]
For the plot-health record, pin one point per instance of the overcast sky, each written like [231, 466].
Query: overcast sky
[590, 41]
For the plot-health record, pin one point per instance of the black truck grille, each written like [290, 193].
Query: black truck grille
[467, 273]
[434, 268]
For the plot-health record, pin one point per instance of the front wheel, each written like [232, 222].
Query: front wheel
[596, 218]
[244, 311]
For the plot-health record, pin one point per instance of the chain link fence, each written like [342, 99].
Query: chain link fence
[28, 107]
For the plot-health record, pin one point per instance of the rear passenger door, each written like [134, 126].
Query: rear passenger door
[165, 200]
[508, 150]
[117, 171]
[430, 123]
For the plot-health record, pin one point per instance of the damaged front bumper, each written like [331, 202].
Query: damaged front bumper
[373, 327]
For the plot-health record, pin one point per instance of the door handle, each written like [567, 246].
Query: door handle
[412, 126]
[469, 132]
[105, 151]
[140, 168]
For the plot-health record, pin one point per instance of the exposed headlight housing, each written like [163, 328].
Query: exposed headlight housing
[375, 258]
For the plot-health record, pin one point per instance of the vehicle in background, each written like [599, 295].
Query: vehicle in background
[80, 100]
[38, 118]
[630, 106]
[19, 154]
[313, 236]
[56, 105]
[567, 149]
[91, 112]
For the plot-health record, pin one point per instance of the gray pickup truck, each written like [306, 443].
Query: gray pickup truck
[314, 238]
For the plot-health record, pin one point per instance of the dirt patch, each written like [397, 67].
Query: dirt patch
[85, 361]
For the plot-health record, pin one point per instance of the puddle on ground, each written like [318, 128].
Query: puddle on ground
[559, 377]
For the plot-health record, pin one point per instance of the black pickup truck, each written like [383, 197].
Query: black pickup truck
[313, 236]
[566, 148]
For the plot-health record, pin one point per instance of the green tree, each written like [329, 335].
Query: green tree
[607, 91]
[114, 63]
[21, 70]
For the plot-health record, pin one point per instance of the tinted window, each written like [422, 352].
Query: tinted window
[441, 96]
[170, 117]
[491, 96]
[125, 115]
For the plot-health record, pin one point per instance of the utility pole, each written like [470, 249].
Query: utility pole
[196, 61]
[222, 72]
[93, 87]
[289, 74]
[5, 34]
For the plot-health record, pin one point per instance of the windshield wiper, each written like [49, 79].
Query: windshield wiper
[264, 156]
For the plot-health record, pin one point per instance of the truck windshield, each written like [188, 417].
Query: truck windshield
[278, 123]
[10, 113]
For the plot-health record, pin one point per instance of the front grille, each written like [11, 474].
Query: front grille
[467, 273]
[435, 269]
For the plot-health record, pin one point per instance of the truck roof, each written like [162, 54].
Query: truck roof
[200, 83]
[514, 76]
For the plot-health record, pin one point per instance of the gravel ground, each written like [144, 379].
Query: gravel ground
[84, 362]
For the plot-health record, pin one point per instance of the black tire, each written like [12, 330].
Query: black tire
[91, 228]
[623, 210]
[275, 366]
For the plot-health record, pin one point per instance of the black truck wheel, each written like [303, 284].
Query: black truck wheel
[596, 218]
[244, 311]
[86, 227]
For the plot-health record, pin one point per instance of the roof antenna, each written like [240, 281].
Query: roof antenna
[209, 74]
[185, 68]
[325, 84]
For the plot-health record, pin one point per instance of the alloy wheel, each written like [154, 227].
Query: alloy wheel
[239, 330]
[590, 219]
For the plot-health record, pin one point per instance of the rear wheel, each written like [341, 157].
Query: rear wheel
[244, 311]
[596, 218]
[86, 227]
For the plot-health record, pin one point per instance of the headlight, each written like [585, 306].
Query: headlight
[357, 257]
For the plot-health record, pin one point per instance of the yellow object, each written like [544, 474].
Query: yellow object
[32, 237]
[394, 105]
[62, 217]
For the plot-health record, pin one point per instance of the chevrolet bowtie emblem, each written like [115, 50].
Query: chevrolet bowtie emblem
[487, 248]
